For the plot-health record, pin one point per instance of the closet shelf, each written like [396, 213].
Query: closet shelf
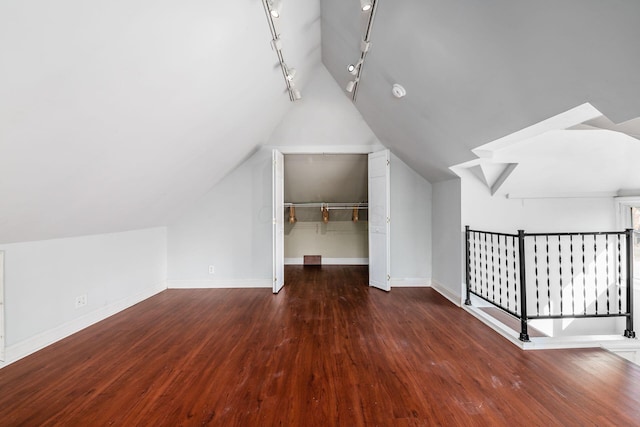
[329, 206]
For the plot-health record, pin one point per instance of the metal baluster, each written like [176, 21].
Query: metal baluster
[506, 266]
[619, 276]
[535, 265]
[480, 274]
[515, 273]
[584, 277]
[486, 263]
[548, 276]
[595, 269]
[475, 263]
[606, 251]
[500, 272]
[493, 272]
[573, 295]
[560, 270]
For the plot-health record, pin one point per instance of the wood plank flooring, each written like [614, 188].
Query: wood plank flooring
[326, 351]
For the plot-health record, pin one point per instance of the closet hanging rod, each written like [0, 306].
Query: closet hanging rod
[329, 206]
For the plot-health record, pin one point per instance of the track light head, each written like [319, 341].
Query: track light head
[291, 73]
[365, 5]
[275, 7]
[354, 68]
[351, 85]
[296, 95]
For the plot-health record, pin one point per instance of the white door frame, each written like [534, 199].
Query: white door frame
[2, 333]
[278, 219]
[337, 149]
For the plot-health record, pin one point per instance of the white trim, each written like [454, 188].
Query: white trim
[549, 343]
[623, 210]
[566, 120]
[219, 284]
[629, 350]
[446, 292]
[330, 261]
[410, 282]
[551, 195]
[29, 346]
[329, 149]
[2, 327]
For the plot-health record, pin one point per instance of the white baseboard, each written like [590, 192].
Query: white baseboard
[410, 282]
[446, 292]
[624, 347]
[29, 346]
[219, 284]
[330, 261]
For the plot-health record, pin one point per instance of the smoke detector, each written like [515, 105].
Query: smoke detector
[398, 91]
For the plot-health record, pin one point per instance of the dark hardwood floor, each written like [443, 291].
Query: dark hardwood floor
[326, 351]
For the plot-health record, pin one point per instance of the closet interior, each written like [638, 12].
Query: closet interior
[326, 209]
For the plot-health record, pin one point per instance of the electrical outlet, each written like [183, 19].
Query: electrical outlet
[212, 269]
[81, 301]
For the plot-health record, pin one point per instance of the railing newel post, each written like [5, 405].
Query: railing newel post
[629, 332]
[524, 332]
[467, 301]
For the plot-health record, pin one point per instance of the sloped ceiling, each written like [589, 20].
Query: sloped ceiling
[477, 71]
[328, 178]
[117, 115]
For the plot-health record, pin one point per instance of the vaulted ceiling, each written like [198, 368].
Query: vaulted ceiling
[118, 115]
[476, 71]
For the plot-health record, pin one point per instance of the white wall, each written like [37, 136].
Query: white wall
[447, 239]
[410, 226]
[482, 211]
[229, 228]
[325, 120]
[43, 279]
[339, 242]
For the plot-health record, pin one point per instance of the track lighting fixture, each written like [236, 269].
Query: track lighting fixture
[272, 10]
[354, 68]
[275, 7]
[291, 73]
[276, 44]
[365, 5]
[369, 6]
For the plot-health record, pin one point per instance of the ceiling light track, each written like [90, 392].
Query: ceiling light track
[273, 9]
[366, 6]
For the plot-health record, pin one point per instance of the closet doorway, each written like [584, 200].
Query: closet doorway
[332, 209]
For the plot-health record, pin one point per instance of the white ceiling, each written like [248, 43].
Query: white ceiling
[477, 71]
[119, 115]
[328, 178]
